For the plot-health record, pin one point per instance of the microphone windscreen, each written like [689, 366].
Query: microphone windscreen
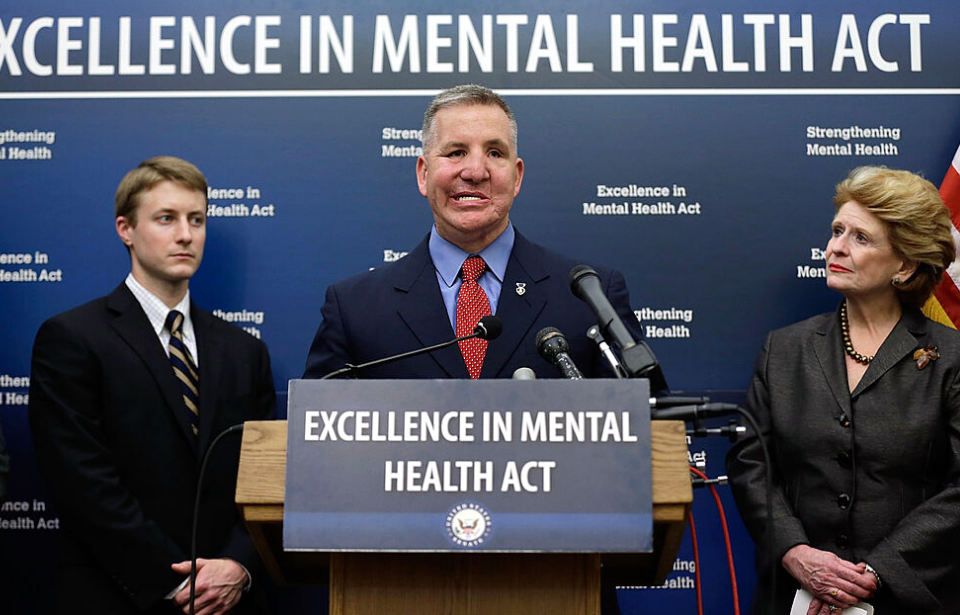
[550, 341]
[577, 276]
[524, 373]
[545, 333]
[489, 328]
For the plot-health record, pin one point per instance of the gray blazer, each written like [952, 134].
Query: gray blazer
[872, 475]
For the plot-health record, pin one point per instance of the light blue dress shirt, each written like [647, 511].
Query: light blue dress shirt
[448, 260]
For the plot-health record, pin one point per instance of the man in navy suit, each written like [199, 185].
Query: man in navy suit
[470, 174]
[119, 433]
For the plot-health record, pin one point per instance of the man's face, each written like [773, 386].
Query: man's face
[470, 175]
[166, 244]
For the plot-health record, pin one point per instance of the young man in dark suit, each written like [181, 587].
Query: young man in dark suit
[127, 393]
[470, 174]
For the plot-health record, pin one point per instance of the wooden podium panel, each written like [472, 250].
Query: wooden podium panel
[464, 583]
[470, 583]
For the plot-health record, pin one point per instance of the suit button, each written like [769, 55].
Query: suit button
[843, 501]
[844, 459]
[843, 541]
[844, 420]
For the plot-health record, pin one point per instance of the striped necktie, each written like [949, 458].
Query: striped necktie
[184, 369]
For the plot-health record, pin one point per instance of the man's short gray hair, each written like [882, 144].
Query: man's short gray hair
[468, 94]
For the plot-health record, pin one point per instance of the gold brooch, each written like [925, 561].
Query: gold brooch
[923, 356]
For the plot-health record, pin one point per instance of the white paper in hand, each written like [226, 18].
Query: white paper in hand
[801, 602]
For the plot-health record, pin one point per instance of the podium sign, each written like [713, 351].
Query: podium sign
[461, 465]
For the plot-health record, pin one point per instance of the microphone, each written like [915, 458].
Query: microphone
[524, 373]
[488, 328]
[585, 284]
[674, 401]
[693, 412]
[638, 359]
[553, 346]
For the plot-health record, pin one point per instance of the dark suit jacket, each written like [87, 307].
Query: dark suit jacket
[398, 307]
[872, 475]
[119, 457]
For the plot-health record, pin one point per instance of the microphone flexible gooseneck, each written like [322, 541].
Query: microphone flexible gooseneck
[488, 328]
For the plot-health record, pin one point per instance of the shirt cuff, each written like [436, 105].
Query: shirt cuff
[249, 584]
[177, 589]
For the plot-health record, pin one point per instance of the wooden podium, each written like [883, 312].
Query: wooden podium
[460, 583]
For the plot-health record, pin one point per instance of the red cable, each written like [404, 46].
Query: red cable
[696, 563]
[726, 540]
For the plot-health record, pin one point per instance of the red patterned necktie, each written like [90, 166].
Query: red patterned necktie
[472, 305]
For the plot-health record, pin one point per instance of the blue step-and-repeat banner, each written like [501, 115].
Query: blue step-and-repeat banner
[693, 145]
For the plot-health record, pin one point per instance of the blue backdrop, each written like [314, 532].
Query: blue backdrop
[747, 112]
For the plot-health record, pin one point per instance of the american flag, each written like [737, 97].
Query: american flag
[944, 305]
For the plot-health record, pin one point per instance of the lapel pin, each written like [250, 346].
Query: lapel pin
[924, 356]
[521, 288]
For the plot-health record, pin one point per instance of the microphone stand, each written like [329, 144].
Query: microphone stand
[594, 334]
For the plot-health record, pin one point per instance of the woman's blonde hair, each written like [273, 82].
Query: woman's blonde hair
[917, 222]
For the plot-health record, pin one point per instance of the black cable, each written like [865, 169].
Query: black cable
[768, 479]
[196, 512]
[694, 413]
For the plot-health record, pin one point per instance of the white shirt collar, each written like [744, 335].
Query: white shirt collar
[156, 311]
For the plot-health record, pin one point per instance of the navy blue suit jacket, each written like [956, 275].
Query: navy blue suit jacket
[398, 308]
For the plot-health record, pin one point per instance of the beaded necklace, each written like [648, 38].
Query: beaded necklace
[847, 344]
